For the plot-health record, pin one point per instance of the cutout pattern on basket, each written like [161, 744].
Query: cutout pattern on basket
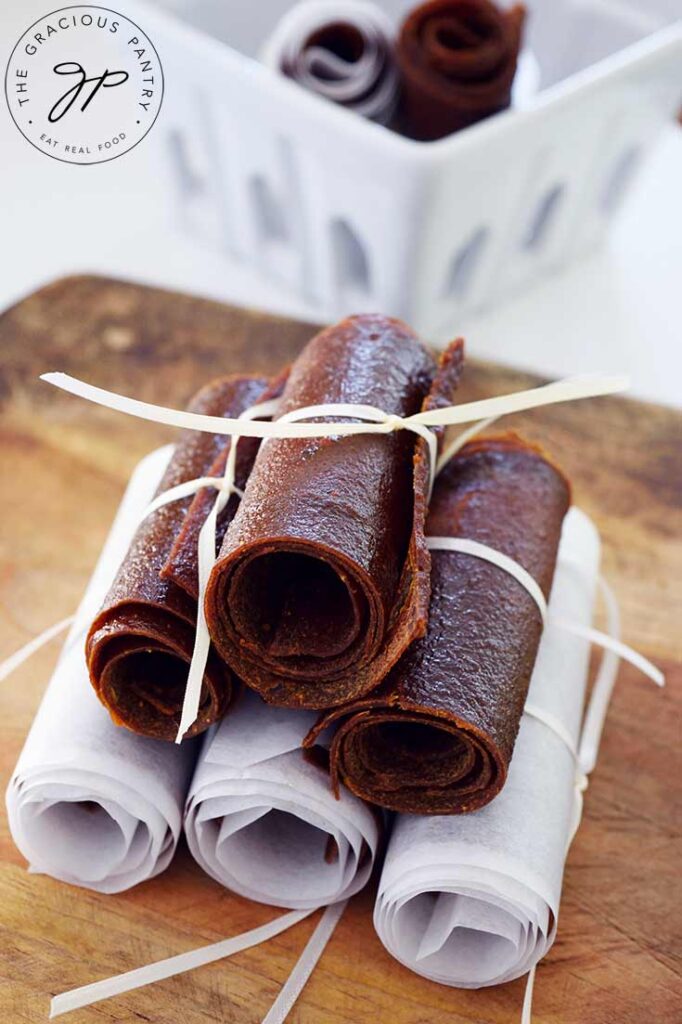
[618, 178]
[464, 264]
[544, 215]
[351, 263]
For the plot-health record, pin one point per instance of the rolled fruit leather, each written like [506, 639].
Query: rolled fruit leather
[457, 60]
[323, 577]
[438, 735]
[140, 644]
[339, 49]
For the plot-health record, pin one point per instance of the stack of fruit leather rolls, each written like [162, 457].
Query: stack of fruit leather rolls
[322, 581]
[90, 803]
[437, 736]
[140, 644]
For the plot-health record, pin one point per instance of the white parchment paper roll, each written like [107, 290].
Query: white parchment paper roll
[89, 802]
[366, 83]
[473, 900]
[263, 821]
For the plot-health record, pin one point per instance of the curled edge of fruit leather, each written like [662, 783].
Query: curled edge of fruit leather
[438, 734]
[147, 617]
[344, 678]
[181, 565]
[457, 60]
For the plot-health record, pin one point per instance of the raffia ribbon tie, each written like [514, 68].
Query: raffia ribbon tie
[357, 419]
[29, 649]
[366, 419]
[206, 560]
[86, 995]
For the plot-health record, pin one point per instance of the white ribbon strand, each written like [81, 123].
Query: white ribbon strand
[86, 995]
[465, 546]
[553, 723]
[380, 422]
[567, 390]
[373, 421]
[458, 443]
[202, 640]
[187, 490]
[527, 1009]
[295, 983]
[622, 650]
[206, 560]
[77, 998]
[24, 653]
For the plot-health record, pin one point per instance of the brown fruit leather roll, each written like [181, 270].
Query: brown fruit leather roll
[140, 645]
[438, 735]
[457, 60]
[323, 578]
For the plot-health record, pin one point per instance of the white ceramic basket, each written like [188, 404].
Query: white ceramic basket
[352, 216]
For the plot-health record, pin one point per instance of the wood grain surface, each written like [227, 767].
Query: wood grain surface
[63, 467]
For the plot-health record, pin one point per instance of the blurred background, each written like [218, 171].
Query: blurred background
[616, 307]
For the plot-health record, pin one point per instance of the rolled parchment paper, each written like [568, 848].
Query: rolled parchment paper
[457, 61]
[437, 736]
[262, 820]
[339, 49]
[323, 577]
[140, 643]
[474, 900]
[89, 803]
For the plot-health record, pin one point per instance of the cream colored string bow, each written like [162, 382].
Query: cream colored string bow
[368, 420]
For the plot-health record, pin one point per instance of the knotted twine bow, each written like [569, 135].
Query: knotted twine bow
[371, 421]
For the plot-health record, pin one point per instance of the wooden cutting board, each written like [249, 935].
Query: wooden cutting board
[63, 466]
